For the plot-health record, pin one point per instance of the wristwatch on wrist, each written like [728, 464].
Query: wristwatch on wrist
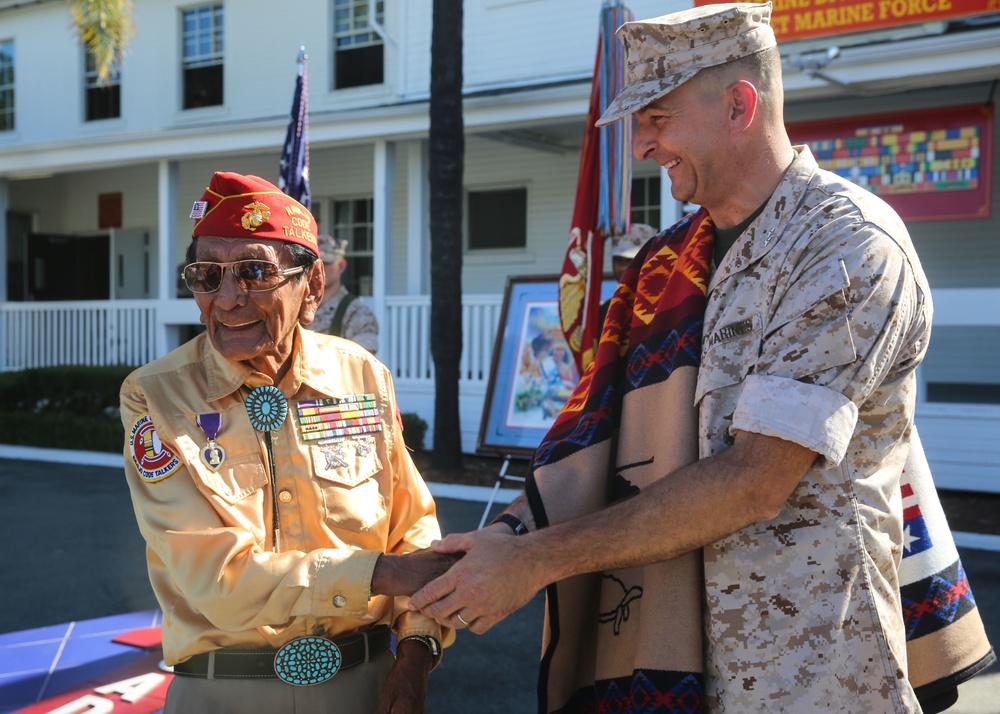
[513, 521]
[427, 641]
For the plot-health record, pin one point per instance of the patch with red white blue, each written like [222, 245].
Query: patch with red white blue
[916, 538]
[152, 459]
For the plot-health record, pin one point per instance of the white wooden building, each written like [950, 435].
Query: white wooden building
[96, 183]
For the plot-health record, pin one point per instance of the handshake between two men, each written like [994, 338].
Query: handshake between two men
[467, 580]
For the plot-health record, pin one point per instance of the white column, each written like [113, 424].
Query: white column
[671, 211]
[417, 246]
[385, 177]
[168, 180]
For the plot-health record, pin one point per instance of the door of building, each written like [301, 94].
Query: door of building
[133, 269]
[62, 267]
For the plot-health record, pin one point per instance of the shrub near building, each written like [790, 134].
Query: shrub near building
[76, 407]
[67, 407]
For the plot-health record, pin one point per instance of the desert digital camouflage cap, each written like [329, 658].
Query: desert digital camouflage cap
[627, 245]
[330, 248]
[664, 52]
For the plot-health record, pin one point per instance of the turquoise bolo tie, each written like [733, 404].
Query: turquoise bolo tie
[267, 409]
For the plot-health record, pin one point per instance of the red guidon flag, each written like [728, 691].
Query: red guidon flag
[603, 197]
[580, 280]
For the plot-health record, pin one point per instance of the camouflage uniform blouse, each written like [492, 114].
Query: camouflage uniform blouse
[816, 320]
[359, 323]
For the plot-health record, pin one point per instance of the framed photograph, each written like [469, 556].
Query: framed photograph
[532, 373]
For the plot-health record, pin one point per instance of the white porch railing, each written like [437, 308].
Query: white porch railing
[98, 332]
[405, 343]
[95, 332]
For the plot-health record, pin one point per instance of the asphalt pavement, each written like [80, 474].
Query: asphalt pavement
[74, 553]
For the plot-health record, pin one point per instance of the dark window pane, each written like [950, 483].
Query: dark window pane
[638, 193]
[959, 393]
[359, 67]
[103, 102]
[357, 277]
[498, 219]
[203, 86]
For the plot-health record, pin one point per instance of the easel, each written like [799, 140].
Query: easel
[501, 477]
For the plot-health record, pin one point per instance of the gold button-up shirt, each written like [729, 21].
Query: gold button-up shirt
[213, 564]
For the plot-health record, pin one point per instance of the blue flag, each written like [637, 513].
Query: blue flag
[293, 174]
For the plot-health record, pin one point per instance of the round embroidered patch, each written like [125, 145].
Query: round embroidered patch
[307, 660]
[152, 459]
[267, 408]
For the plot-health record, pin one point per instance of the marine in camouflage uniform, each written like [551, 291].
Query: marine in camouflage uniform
[340, 313]
[358, 324]
[816, 320]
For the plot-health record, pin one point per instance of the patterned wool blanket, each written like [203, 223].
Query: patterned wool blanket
[599, 654]
[945, 639]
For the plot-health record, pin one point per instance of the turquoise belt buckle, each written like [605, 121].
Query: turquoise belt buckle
[307, 661]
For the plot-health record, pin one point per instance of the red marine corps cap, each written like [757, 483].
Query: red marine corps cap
[237, 206]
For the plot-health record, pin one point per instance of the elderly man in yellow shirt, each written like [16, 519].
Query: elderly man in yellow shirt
[285, 522]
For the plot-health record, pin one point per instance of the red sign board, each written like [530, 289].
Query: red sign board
[929, 165]
[798, 19]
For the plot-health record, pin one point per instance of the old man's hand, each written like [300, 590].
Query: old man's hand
[404, 573]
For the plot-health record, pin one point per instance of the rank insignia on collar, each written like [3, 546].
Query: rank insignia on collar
[258, 213]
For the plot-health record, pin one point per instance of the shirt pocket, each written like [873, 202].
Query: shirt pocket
[239, 482]
[811, 330]
[728, 354]
[345, 470]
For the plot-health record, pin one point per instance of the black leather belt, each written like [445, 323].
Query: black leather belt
[304, 661]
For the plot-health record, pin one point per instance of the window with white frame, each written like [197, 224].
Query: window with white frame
[498, 218]
[103, 101]
[358, 51]
[6, 85]
[351, 220]
[646, 201]
[202, 56]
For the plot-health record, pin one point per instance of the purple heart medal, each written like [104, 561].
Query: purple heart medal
[213, 455]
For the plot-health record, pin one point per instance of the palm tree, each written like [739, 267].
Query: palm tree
[446, 165]
[105, 27]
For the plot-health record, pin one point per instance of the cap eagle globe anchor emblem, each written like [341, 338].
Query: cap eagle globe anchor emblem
[255, 218]
[266, 407]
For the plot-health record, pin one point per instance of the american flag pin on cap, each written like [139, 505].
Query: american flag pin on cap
[198, 209]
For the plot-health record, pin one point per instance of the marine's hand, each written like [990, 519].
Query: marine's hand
[402, 574]
[405, 687]
[491, 581]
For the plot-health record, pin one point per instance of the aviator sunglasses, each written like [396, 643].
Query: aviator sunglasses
[251, 275]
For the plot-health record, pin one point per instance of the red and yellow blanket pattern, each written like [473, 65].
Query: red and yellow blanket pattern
[653, 326]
